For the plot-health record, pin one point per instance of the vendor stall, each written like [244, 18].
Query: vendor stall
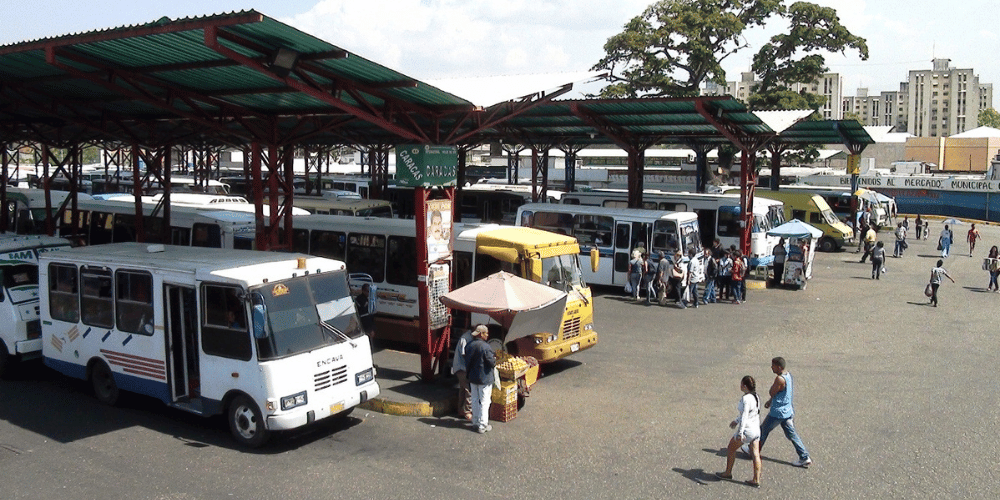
[521, 308]
[800, 242]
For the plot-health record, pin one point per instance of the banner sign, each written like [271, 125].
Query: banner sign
[423, 165]
[438, 225]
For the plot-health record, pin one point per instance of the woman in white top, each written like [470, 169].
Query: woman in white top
[747, 426]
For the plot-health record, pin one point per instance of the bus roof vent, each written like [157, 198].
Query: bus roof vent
[155, 249]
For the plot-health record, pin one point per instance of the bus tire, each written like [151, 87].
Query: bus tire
[103, 382]
[827, 244]
[5, 358]
[246, 422]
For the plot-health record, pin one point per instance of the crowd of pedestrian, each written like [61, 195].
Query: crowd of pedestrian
[689, 280]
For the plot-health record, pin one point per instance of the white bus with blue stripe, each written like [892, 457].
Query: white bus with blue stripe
[270, 339]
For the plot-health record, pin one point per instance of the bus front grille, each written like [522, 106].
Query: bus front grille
[330, 378]
[571, 328]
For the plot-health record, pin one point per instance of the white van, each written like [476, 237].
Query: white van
[20, 330]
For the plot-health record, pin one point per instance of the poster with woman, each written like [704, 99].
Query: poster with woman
[438, 230]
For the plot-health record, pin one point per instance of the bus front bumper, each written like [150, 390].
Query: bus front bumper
[547, 353]
[313, 413]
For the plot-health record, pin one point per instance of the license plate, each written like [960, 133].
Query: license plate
[574, 347]
[337, 408]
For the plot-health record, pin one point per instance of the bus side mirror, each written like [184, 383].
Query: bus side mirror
[260, 321]
[595, 259]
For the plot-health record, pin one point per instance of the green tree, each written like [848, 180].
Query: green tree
[989, 117]
[675, 46]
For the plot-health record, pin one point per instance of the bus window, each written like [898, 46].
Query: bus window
[571, 201]
[329, 244]
[124, 228]
[300, 240]
[593, 230]
[816, 218]
[207, 235]
[729, 222]
[487, 265]
[401, 261]
[527, 218]
[134, 302]
[96, 300]
[180, 236]
[100, 228]
[799, 214]
[366, 254]
[63, 304]
[554, 222]
[223, 333]
[463, 268]
[673, 207]
[665, 236]
[640, 235]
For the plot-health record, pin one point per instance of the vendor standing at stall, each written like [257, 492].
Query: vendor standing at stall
[459, 370]
[779, 253]
[479, 363]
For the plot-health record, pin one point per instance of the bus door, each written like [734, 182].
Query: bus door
[706, 222]
[182, 342]
[623, 249]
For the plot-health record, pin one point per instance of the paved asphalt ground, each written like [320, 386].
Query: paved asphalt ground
[894, 399]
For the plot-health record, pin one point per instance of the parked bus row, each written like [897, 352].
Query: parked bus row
[719, 215]
[614, 233]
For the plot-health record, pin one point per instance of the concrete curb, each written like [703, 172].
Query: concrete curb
[422, 409]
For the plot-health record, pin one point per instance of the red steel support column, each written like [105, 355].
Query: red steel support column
[140, 233]
[257, 191]
[747, 183]
[434, 343]
[5, 159]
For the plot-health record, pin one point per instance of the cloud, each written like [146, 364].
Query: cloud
[455, 38]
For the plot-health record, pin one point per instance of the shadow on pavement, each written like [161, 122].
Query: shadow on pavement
[927, 304]
[64, 410]
[698, 475]
[446, 422]
[977, 289]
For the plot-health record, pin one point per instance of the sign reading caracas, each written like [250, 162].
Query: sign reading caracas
[423, 165]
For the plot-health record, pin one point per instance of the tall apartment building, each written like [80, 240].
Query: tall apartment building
[828, 85]
[887, 108]
[945, 101]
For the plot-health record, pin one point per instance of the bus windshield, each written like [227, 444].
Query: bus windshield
[692, 235]
[562, 272]
[21, 282]
[295, 309]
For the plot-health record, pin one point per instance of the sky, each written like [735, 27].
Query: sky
[440, 39]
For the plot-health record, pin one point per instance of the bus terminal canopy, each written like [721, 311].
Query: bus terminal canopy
[231, 79]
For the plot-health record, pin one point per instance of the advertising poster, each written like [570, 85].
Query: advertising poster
[438, 230]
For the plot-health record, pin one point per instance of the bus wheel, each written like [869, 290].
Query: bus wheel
[4, 358]
[827, 245]
[246, 422]
[103, 382]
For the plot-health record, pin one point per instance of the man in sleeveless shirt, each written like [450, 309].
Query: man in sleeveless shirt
[781, 412]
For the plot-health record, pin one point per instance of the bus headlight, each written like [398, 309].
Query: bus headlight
[588, 327]
[293, 401]
[363, 377]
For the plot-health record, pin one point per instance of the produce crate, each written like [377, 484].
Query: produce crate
[531, 375]
[503, 413]
[506, 393]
